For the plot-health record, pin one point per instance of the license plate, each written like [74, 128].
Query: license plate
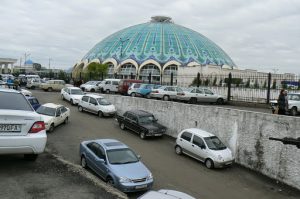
[157, 134]
[141, 186]
[10, 128]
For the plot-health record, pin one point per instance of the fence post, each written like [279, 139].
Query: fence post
[149, 78]
[198, 80]
[269, 88]
[172, 79]
[229, 87]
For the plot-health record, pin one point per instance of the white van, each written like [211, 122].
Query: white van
[109, 85]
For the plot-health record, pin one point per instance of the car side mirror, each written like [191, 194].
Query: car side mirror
[99, 160]
[58, 115]
[139, 157]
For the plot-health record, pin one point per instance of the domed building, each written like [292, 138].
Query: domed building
[159, 47]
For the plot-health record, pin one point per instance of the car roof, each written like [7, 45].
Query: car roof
[199, 132]
[94, 95]
[52, 105]
[109, 144]
[166, 194]
[30, 97]
[9, 90]
[73, 87]
[140, 112]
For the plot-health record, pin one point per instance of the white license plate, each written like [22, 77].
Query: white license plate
[158, 134]
[141, 186]
[10, 128]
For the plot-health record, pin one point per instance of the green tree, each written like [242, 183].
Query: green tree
[194, 82]
[95, 69]
[215, 81]
[247, 84]
[206, 82]
[256, 85]
[265, 84]
[274, 84]
[62, 75]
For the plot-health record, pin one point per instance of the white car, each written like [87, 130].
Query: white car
[165, 92]
[53, 115]
[293, 101]
[91, 86]
[109, 85]
[96, 104]
[133, 89]
[165, 194]
[204, 147]
[72, 94]
[26, 92]
[22, 130]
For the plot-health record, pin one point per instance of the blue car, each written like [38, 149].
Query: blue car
[34, 102]
[117, 164]
[145, 89]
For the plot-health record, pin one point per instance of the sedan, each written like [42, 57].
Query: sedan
[165, 194]
[165, 93]
[116, 163]
[54, 115]
[72, 94]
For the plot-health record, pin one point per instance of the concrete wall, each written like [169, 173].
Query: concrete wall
[246, 133]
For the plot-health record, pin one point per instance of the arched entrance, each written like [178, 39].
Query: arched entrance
[111, 71]
[146, 70]
[126, 71]
[167, 74]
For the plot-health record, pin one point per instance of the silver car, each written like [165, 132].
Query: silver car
[166, 92]
[195, 94]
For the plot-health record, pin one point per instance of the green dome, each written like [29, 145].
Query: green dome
[160, 40]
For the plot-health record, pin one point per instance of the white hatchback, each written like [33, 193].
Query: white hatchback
[71, 94]
[22, 130]
[204, 147]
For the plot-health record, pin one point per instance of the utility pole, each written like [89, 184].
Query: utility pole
[49, 62]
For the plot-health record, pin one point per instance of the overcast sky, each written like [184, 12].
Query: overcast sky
[256, 34]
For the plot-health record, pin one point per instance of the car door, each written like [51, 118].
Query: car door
[100, 160]
[64, 113]
[128, 121]
[134, 123]
[57, 119]
[185, 142]
[199, 93]
[67, 94]
[209, 95]
[198, 148]
[91, 155]
[93, 105]
[84, 102]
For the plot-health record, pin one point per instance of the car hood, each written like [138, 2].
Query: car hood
[109, 108]
[226, 154]
[153, 126]
[135, 170]
[46, 118]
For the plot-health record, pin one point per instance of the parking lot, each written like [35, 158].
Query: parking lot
[170, 170]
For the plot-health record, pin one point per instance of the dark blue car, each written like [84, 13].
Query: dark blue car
[34, 102]
[117, 164]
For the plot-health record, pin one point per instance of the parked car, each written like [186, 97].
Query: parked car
[133, 89]
[165, 194]
[72, 94]
[166, 92]
[204, 147]
[293, 101]
[142, 123]
[53, 85]
[25, 92]
[124, 85]
[145, 90]
[53, 115]
[96, 104]
[109, 85]
[22, 130]
[194, 95]
[34, 102]
[117, 164]
[33, 83]
[91, 86]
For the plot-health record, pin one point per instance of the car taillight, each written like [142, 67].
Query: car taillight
[180, 94]
[155, 91]
[37, 127]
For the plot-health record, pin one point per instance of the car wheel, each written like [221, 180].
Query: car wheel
[110, 181]
[107, 91]
[193, 100]
[51, 129]
[220, 101]
[209, 163]
[100, 113]
[132, 94]
[30, 157]
[148, 96]
[80, 108]
[122, 126]
[178, 150]
[50, 89]
[294, 111]
[166, 98]
[32, 87]
[83, 162]
[71, 101]
[66, 121]
[92, 90]
[62, 97]
[143, 135]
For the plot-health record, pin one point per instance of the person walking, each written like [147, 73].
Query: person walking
[282, 102]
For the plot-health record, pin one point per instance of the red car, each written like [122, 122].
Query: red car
[124, 84]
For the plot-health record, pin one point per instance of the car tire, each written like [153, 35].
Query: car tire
[178, 150]
[72, 103]
[293, 111]
[193, 100]
[220, 101]
[100, 113]
[110, 181]
[83, 162]
[50, 89]
[148, 96]
[30, 157]
[92, 90]
[166, 98]
[132, 94]
[107, 91]
[32, 87]
[209, 164]
[122, 126]
[62, 97]
[143, 135]
[80, 108]
[66, 121]
[51, 129]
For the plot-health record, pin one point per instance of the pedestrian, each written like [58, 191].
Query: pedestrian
[9, 82]
[282, 102]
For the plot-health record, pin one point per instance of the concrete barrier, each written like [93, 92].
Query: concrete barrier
[245, 132]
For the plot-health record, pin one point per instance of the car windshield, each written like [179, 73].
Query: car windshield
[147, 119]
[46, 111]
[103, 102]
[90, 83]
[121, 156]
[214, 143]
[14, 101]
[76, 92]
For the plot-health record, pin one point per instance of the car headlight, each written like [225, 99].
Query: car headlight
[124, 180]
[219, 157]
[150, 177]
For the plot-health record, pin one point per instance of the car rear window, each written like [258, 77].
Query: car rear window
[14, 101]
